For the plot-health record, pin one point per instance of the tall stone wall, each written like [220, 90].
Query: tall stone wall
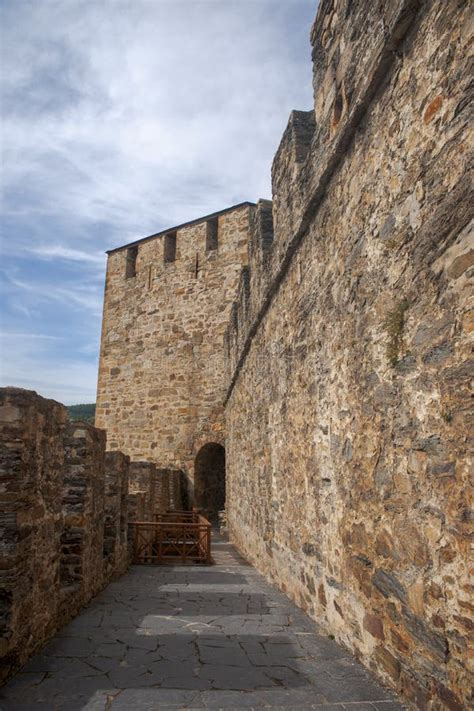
[348, 408]
[52, 516]
[161, 379]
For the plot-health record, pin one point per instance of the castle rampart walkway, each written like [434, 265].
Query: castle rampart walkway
[182, 638]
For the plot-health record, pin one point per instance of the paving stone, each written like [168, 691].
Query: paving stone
[21, 682]
[292, 698]
[227, 657]
[151, 699]
[111, 650]
[70, 647]
[128, 677]
[223, 677]
[42, 663]
[188, 682]
[151, 647]
[349, 689]
[284, 675]
[231, 699]
[12, 705]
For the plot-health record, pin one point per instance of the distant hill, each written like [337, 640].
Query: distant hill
[86, 413]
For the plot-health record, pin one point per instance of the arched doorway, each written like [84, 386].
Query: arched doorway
[209, 480]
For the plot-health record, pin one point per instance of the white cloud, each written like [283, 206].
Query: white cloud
[68, 254]
[163, 110]
[87, 298]
[121, 118]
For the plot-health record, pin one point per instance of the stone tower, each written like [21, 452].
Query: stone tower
[167, 304]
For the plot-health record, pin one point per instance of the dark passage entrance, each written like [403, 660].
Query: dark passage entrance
[209, 480]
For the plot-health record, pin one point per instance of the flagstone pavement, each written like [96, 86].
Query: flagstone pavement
[214, 637]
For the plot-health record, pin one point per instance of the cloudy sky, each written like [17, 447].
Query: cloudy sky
[121, 118]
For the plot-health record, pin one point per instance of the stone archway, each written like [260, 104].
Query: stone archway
[209, 480]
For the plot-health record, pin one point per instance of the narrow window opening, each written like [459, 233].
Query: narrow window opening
[169, 253]
[131, 262]
[212, 231]
[337, 112]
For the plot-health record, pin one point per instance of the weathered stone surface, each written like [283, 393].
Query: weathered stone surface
[348, 407]
[142, 476]
[195, 638]
[31, 470]
[153, 491]
[161, 379]
[52, 520]
[82, 536]
[116, 513]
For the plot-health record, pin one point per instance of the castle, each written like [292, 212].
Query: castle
[306, 361]
[161, 387]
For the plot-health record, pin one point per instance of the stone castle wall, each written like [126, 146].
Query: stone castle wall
[63, 534]
[32, 458]
[348, 350]
[161, 379]
[64, 511]
[83, 513]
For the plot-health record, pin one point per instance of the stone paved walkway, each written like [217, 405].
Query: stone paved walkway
[177, 638]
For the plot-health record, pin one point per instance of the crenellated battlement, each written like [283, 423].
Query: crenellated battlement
[168, 299]
[186, 247]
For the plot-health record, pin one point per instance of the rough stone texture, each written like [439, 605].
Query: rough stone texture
[52, 521]
[116, 513]
[193, 638]
[31, 466]
[161, 379]
[138, 506]
[348, 407]
[153, 490]
[83, 499]
[142, 477]
[175, 502]
[162, 491]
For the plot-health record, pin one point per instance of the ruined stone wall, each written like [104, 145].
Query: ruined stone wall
[52, 516]
[348, 407]
[161, 380]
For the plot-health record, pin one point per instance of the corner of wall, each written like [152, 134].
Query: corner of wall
[253, 284]
[288, 199]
